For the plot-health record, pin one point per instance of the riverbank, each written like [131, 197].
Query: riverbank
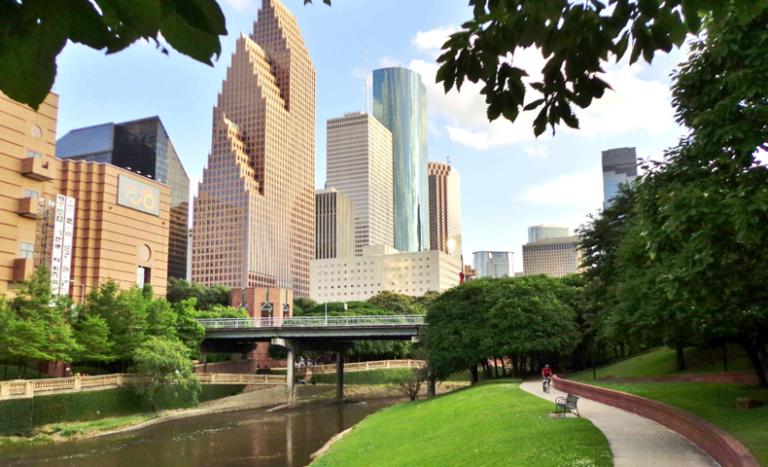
[490, 424]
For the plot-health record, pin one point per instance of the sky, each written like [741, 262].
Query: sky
[510, 180]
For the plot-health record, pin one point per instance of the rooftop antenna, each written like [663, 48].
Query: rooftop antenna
[366, 79]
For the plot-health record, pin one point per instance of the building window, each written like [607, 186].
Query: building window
[31, 193]
[27, 251]
[143, 276]
[31, 154]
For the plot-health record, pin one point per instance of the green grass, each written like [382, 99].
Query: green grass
[662, 362]
[96, 426]
[714, 403]
[39, 440]
[495, 424]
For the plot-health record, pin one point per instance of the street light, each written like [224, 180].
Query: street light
[82, 291]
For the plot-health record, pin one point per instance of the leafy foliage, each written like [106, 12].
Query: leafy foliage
[34, 32]
[576, 39]
[207, 297]
[168, 363]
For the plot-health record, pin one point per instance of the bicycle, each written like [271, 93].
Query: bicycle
[546, 383]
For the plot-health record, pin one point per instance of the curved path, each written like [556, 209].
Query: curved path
[635, 441]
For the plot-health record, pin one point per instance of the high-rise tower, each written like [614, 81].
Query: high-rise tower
[619, 166]
[444, 209]
[360, 167]
[400, 104]
[254, 216]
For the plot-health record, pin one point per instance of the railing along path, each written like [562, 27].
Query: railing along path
[313, 322]
[363, 366]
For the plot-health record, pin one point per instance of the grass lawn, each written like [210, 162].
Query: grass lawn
[662, 362]
[493, 424]
[712, 402]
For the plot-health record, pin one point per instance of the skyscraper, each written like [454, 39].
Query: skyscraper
[334, 225]
[255, 209]
[556, 257]
[537, 232]
[142, 146]
[619, 166]
[400, 104]
[360, 167]
[493, 263]
[444, 209]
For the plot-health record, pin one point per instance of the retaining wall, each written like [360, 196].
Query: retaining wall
[724, 448]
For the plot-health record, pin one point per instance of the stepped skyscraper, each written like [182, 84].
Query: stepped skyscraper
[400, 104]
[254, 216]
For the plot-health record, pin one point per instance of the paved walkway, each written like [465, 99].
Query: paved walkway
[635, 441]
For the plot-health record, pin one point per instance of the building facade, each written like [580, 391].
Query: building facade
[493, 264]
[382, 268]
[254, 215]
[359, 165]
[619, 166]
[555, 257]
[85, 222]
[400, 104]
[334, 225]
[444, 209]
[141, 146]
[538, 232]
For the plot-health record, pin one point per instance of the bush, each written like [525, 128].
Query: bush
[20, 417]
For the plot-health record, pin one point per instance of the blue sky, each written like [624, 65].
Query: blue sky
[510, 180]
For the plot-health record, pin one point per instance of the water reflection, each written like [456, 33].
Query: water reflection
[253, 438]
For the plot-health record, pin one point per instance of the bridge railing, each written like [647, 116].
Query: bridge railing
[312, 321]
[363, 366]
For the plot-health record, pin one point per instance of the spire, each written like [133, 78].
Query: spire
[366, 79]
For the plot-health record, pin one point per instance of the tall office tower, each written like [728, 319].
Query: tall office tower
[556, 257]
[400, 103]
[141, 146]
[619, 166]
[493, 263]
[360, 167]
[254, 220]
[538, 232]
[334, 225]
[444, 209]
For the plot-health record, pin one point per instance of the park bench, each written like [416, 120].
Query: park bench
[568, 404]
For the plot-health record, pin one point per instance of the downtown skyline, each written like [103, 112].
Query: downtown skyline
[509, 180]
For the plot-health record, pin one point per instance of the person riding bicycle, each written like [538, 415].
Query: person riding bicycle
[546, 377]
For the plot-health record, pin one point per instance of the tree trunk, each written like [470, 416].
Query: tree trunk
[486, 369]
[756, 363]
[515, 366]
[725, 357]
[680, 357]
[623, 349]
[503, 368]
[495, 368]
[473, 372]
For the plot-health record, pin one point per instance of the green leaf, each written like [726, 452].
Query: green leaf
[205, 15]
[189, 40]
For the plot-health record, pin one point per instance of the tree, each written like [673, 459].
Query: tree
[125, 313]
[34, 32]
[392, 302]
[92, 335]
[207, 296]
[410, 383]
[168, 364]
[576, 39]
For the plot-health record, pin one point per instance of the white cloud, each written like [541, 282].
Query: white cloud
[432, 41]
[388, 62]
[580, 191]
[536, 151]
[241, 5]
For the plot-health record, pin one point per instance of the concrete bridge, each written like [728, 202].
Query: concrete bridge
[308, 333]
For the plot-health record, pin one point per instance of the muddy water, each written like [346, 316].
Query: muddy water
[252, 438]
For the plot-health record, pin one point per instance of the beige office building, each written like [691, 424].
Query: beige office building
[555, 257]
[254, 216]
[444, 209]
[360, 167]
[538, 232]
[334, 225]
[85, 222]
[382, 268]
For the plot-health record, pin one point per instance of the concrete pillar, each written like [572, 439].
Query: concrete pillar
[430, 381]
[340, 375]
[290, 379]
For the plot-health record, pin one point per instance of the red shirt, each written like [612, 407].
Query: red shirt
[546, 372]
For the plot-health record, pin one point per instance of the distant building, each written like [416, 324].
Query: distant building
[555, 257]
[141, 146]
[469, 273]
[359, 165]
[382, 268]
[444, 209]
[334, 225]
[519, 274]
[493, 263]
[538, 232]
[400, 104]
[86, 222]
[619, 166]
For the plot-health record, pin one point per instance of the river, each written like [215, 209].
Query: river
[252, 438]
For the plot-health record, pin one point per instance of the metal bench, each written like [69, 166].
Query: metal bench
[568, 404]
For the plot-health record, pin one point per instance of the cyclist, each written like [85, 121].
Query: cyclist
[546, 377]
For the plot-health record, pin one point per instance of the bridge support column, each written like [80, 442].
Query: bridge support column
[290, 379]
[430, 381]
[340, 374]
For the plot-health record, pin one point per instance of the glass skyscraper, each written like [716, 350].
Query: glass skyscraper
[619, 166]
[142, 146]
[400, 104]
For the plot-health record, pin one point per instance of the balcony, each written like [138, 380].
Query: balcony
[37, 169]
[22, 268]
[28, 207]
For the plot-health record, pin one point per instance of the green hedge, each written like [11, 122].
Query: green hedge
[20, 417]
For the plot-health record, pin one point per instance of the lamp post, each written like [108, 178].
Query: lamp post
[82, 291]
